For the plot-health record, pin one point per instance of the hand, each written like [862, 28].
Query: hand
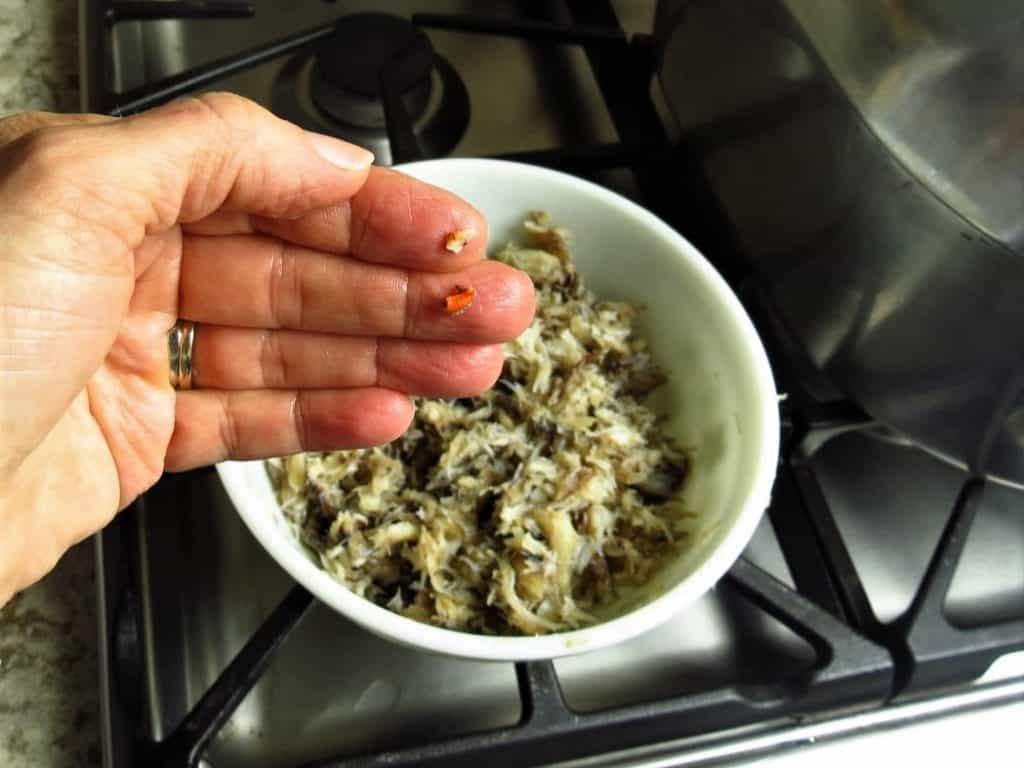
[317, 284]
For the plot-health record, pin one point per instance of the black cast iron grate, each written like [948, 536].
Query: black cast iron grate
[860, 661]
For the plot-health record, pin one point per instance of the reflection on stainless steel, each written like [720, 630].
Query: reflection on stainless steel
[870, 157]
[768, 741]
[344, 690]
[989, 583]
[145, 51]
[939, 82]
[890, 502]
[720, 641]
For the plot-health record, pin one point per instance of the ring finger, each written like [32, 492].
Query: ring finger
[244, 358]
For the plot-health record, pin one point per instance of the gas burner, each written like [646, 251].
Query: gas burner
[347, 74]
[339, 88]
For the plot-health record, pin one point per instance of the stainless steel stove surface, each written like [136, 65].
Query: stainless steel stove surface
[547, 92]
[851, 609]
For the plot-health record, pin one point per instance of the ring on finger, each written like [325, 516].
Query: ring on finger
[180, 343]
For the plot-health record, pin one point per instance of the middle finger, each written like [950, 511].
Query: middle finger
[259, 282]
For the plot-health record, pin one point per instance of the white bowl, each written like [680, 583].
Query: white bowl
[720, 399]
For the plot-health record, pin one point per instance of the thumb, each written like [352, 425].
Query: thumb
[180, 163]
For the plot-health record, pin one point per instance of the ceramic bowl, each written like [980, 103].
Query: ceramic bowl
[720, 402]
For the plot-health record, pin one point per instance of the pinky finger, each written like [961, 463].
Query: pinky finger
[212, 426]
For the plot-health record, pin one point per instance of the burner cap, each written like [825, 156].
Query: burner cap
[362, 44]
[336, 88]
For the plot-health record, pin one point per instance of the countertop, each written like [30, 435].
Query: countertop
[49, 711]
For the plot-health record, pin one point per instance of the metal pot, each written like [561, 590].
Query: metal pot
[868, 156]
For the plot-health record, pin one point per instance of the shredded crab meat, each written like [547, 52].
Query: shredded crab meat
[525, 509]
[458, 240]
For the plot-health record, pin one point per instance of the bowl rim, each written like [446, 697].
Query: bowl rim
[637, 621]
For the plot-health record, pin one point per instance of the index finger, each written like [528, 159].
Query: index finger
[393, 219]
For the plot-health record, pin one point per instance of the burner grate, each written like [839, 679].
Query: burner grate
[850, 671]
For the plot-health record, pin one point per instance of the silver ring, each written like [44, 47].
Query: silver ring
[179, 346]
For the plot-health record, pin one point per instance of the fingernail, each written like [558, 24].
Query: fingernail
[340, 153]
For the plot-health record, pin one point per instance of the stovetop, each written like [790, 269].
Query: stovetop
[881, 584]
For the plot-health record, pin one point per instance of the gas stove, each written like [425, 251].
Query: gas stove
[884, 587]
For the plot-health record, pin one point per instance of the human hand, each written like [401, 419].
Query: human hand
[317, 284]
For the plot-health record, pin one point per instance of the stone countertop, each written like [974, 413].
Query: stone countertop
[49, 709]
[38, 55]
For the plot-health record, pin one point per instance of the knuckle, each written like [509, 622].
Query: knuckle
[256, 133]
[285, 290]
[380, 363]
[228, 107]
[273, 364]
[228, 430]
[300, 419]
[409, 303]
[212, 154]
[224, 117]
[205, 109]
[230, 151]
[382, 212]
